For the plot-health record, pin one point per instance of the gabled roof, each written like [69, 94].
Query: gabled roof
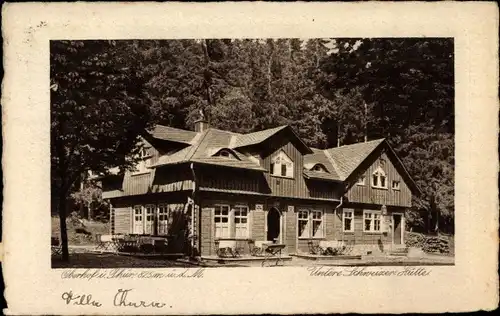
[347, 158]
[244, 140]
[249, 139]
[173, 134]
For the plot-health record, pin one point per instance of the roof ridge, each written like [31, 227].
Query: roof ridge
[197, 146]
[370, 141]
[267, 129]
[179, 129]
[221, 130]
[330, 159]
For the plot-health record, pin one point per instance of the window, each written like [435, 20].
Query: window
[149, 219]
[225, 154]
[371, 221]
[241, 221]
[317, 224]
[281, 165]
[221, 220]
[162, 219]
[303, 224]
[310, 224]
[319, 168]
[143, 163]
[138, 226]
[395, 185]
[348, 221]
[379, 179]
[361, 180]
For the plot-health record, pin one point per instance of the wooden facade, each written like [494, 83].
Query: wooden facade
[383, 196]
[244, 202]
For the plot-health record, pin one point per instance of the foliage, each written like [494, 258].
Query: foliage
[97, 112]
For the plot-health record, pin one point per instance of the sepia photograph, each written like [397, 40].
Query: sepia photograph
[252, 152]
[268, 158]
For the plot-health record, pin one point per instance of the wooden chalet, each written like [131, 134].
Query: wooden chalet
[209, 185]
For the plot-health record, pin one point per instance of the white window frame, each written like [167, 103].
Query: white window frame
[344, 217]
[361, 180]
[307, 229]
[149, 211]
[238, 225]
[279, 160]
[135, 215]
[373, 218]
[308, 217]
[143, 163]
[162, 224]
[219, 225]
[398, 185]
[378, 174]
[321, 229]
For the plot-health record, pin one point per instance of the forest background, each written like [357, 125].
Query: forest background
[333, 92]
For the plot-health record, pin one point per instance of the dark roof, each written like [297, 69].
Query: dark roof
[340, 162]
[206, 144]
[347, 158]
[173, 134]
[249, 139]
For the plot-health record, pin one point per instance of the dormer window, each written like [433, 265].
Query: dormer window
[379, 179]
[225, 153]
[143, 163]
[281, 165]
[319, 168]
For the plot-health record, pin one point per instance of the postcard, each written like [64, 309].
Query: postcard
[229, 158]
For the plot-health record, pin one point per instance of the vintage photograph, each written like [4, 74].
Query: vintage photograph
[259, 152]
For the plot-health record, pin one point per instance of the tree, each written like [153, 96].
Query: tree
[408, 87]
[89, 196]
[97, 114]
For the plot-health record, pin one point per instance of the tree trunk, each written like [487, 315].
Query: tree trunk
[91, 212]
[62, 223]
[436, 227]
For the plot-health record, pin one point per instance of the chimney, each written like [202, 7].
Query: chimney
[201, 124]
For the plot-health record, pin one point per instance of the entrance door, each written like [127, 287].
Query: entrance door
[273, 225]
[398, 229]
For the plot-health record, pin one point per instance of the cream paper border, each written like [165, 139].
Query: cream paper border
[33, 288]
